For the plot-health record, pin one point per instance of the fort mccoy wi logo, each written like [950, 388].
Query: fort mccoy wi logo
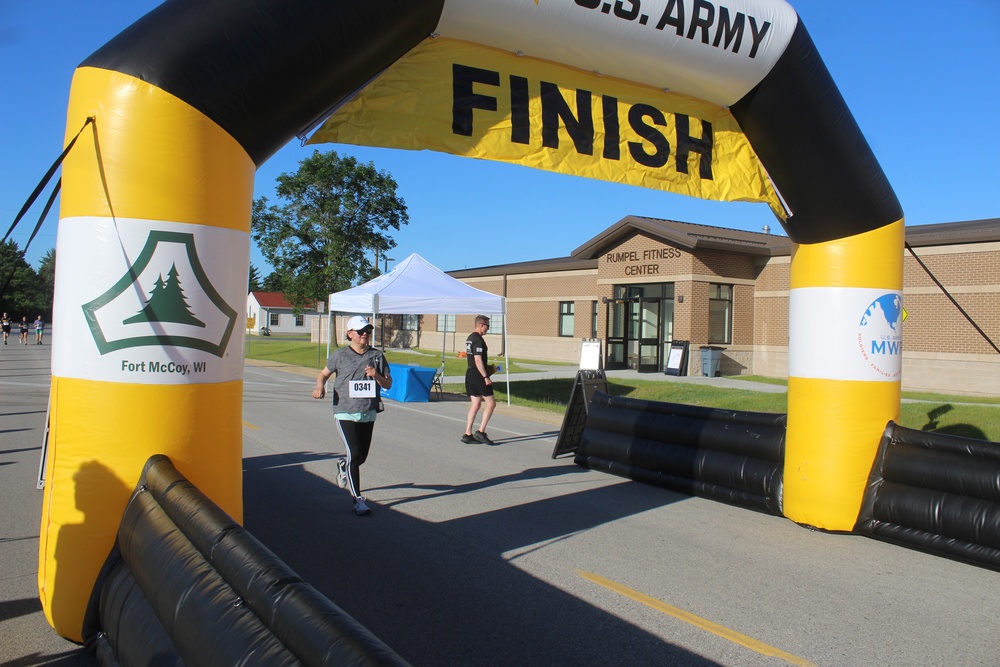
[165, 299]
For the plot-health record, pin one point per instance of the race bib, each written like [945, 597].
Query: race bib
[362, 388]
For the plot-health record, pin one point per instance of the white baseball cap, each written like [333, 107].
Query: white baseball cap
[358, 323]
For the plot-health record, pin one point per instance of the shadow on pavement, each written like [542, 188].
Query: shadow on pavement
[526, 438]
[75, 658]
[447, 490]
[444, 593]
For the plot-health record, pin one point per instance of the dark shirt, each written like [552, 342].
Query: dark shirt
[475, 346]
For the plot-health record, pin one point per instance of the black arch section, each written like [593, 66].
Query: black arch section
[732, 456]
[265, 69]
[935, 492]
[186, 584]
[805, 136]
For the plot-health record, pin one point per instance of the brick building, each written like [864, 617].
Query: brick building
[643, 283]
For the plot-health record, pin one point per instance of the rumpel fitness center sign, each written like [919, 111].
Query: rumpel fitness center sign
[635, 268]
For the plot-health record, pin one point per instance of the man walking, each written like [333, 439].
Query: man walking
[478, 384]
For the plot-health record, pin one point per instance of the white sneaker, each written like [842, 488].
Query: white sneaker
[342, 474]
[360, 508]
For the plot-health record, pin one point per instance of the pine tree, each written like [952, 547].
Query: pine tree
[166, 303]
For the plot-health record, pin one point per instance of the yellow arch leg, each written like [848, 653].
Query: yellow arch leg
[844, 363]
[151, 174]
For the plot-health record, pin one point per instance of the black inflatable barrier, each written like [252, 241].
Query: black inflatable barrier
[186, 584]
[727, 455]
[937, 493]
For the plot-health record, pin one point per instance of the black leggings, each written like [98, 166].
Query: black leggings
[357, 437]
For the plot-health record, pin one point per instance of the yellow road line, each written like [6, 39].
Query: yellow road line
[248, 425]
[697, 621]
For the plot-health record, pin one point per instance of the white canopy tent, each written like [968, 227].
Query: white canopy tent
[417, 287]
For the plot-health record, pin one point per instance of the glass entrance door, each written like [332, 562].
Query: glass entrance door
[639, 325]
[648, 334]
[616, 315]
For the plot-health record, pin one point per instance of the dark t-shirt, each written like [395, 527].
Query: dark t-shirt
[475, 346]
[475, 383]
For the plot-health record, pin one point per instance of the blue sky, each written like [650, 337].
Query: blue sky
[919, 76]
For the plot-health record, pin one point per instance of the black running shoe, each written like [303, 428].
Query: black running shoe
[468, 439]
[361, 507]
[483, 438]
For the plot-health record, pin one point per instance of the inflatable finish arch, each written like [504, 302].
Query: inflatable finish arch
[718, 100]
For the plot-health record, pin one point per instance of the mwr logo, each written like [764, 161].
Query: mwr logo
[164, 299]
[880, 337]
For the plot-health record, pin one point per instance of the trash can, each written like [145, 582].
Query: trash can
[711, 357]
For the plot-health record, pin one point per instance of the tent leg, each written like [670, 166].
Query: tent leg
[506, 360]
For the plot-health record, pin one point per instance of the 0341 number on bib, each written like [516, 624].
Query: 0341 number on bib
[362, 388]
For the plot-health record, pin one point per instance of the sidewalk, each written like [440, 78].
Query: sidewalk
[545, 372]
[548, 372]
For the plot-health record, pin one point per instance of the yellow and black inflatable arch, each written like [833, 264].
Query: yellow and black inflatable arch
[191, 99]
[847, 228]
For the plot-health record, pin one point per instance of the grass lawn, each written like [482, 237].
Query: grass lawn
[311, 355]
[969, 416]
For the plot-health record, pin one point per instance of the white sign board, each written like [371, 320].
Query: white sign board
[590, 355]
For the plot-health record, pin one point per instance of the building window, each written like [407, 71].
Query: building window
[496, 324]
[593, 319]
[566, 318]
[300, 320]
[720, 314]
[410, 323]
[273, 319]
[446, 323]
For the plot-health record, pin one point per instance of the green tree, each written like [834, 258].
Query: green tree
[272, 283]
[253, 281]
[335, 213]
[46, 283]
[19, 288]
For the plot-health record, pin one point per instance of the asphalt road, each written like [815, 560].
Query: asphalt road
[501, 555]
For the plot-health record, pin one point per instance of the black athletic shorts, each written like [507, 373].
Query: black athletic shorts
[475, 384]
